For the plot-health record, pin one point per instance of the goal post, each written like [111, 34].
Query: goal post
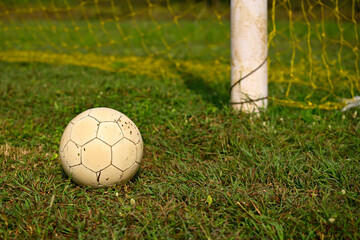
[249, 51]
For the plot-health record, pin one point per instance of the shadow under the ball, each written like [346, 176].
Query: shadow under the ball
[65, 176]
[136, 176]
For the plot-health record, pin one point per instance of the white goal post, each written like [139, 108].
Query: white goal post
[249, 88]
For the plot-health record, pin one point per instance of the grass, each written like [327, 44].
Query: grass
[207, 172]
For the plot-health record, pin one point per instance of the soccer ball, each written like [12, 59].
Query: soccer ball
[101, 147]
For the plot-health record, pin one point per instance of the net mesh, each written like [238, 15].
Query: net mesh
[313, 44]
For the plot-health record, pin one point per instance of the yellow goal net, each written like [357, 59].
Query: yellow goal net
[313, 44]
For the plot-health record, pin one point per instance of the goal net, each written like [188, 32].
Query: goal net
[313, 45]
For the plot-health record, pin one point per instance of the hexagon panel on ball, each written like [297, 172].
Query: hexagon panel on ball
[124, 154]
[109, 132]
[70, 156]
[129, 129]
[96, 155]
[109, 176]
[83, 176]
[84, 130]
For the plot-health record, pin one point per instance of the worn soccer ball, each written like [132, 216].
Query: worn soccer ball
[101, 147]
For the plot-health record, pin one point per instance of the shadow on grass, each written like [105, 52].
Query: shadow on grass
[214, 93]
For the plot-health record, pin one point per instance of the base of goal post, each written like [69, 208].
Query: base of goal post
[249, 88]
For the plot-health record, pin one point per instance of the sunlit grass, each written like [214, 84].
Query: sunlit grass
[286, 174]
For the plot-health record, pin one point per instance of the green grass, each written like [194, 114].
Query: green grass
[207, 172]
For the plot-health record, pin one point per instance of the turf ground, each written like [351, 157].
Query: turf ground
[207, 172]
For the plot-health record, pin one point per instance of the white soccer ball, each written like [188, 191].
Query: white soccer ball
[101, 147]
